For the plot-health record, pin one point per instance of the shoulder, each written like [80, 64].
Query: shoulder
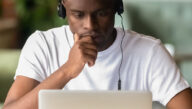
[51, 36]
[141, 39]
[51, 33]
[136, 42]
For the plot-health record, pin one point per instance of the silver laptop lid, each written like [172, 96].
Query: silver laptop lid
[60, 99]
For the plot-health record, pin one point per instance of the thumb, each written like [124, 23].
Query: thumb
[76, 37]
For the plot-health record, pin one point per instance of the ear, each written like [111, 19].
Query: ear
[63, 2]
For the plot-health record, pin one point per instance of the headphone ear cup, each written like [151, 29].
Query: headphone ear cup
[61, 11]
[120, 8]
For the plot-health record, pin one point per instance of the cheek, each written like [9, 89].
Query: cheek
[74, 25]
[107, 26]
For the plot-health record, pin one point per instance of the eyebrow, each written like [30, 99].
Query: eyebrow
[75, 10]
[101, 9]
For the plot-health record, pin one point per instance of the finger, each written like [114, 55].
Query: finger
[90, 60]
[90, 52]
[89, 46]
[87, 39]
[88, 43]
[76, 37]
[90, 64]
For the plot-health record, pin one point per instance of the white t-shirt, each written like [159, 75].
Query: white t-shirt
[146, 64]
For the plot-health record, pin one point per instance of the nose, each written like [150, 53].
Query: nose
[90, 23]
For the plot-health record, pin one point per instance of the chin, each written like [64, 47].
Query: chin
[100, 48]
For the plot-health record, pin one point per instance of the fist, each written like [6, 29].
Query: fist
[83, 52]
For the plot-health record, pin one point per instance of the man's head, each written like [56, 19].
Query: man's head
[93, 18]
[62, 12]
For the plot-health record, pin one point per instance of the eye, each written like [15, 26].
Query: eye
[78, 14]
[102, 13]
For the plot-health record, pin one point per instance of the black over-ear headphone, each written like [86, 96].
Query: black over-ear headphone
[62, 12]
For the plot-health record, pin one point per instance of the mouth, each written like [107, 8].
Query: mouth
[97, 39]
[96, 36]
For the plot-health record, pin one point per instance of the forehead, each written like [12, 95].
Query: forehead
[88, 4]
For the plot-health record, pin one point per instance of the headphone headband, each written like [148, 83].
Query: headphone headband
[120, 7]
[62, 12]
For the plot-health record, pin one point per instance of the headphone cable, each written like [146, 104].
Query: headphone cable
[119, 81]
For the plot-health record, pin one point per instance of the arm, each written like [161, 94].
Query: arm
[24, 91]
[182, 100]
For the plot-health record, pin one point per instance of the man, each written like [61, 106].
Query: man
[97, 57]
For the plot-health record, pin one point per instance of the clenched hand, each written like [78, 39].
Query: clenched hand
[83, 51]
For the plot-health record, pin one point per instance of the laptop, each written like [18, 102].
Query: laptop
[60, 99]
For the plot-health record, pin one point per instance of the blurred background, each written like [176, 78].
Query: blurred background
[168, 20]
